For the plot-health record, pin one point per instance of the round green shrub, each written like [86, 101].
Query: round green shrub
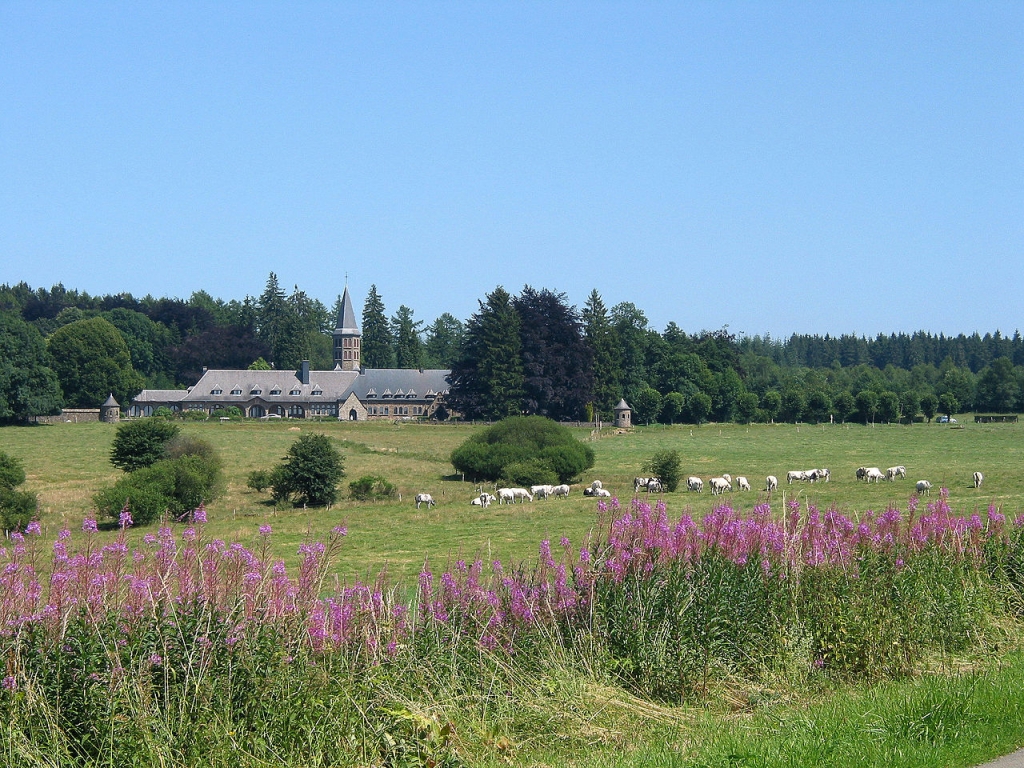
[12, 474]
[527, 473]
[259, 480]
[372, 488]
[17, 508]
[139, 444]
[519, 439]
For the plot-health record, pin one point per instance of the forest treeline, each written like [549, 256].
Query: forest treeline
[527, 353]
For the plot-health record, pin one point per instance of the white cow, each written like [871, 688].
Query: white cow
[541, 491]
[893, 472]
[596, 484]
[695, 484]
[505, 496]
[719, 485]
[560, 490]
[424, 498]
[642, 482]
[521, 494]
[483, 500]
[795, 474]
[978, 479]
[874, 474]
[923, 486]
[654, 486]
[821, 474]
[771, 483]
[742, 484]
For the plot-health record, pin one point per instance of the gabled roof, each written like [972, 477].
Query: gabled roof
[346, 322]
[333, 384]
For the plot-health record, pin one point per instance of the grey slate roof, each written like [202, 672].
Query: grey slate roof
[111, 402]
[346, 322]
[622, 406]
[412, 383]
[160, 396]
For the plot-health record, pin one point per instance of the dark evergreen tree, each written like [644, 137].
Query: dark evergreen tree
[377, 345]
[600, 336]
[631, 332]
[28, 386]
[273, 327]
[487, 379]
[406, 334]
[444, 341]
[998, 390]
[557, 362]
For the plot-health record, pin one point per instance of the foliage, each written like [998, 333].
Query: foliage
[259, 480]
[599, 335]
[646, 405]
[377, 346]
[28, 386]
[194, 414]
[666, 466]
[140, 443]
[12, 473]
[528, 472]
[91, 361]
[673, 406]
[405, 334]
[487, 380]
[372, 488]
[163, 412]
[699, 407]
[259, 364]
[948, 404]
[443, 342]
[17, 508]
[232, 412]
[930, 405]
[557, 362]
[485, 455]
[310, 472]
[175, 486]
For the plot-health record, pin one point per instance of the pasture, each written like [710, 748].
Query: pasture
[67, 463]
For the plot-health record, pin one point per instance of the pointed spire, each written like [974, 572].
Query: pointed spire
[346, 322]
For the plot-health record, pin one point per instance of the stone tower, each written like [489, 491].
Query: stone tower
[623, 415]
[346, 337]
[110, 411]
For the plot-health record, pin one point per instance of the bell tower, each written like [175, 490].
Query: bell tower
[346, 337]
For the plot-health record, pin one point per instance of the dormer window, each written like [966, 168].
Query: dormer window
[275, 391]
[399, 393]
[431, 393]
[295, 392]
[387, 393]
[317, 392]
[236, 391]
[410, 393]
[372, 393]
[256, 391]
[216, 391]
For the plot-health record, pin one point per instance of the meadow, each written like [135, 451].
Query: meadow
[832, 624]
[67, 463]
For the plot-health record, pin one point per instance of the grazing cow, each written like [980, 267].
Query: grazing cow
[483, 500]
[874, 474]
[821, 474]
[521, 494]
[923, 486]
[505, 496]
[861, 472]
[424, 498]
[653, 486]
[742, 484]
[695, 484]
[719, 485]
[893, 472]
[978, 478]
[771, 483]
[795, 474]
[642, 482]
[541, 491]
[560, 490]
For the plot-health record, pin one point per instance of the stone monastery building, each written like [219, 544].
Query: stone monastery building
[348, 392]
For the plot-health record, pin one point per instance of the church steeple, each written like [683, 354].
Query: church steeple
[346, 336]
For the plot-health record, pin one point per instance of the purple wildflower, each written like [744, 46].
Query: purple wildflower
[89, 525]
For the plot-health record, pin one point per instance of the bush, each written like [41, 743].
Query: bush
[310, 473]
[163, 412]
[175, 486]
[17, 508]
[11, 472]
[666, 466]
[259, 480]
[527, 473]
[194, 415]
[141, 443]
[518, 439]
[231, 412]
[372, 488]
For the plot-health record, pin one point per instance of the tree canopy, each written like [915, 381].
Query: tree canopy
[92, 361]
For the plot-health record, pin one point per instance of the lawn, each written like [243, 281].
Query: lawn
[67, 463]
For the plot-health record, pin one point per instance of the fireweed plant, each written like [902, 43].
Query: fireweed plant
[188, 649]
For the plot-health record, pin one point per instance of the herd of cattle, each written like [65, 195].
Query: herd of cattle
[718, 485]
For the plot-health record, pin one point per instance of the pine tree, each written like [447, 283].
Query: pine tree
[600, 336]
[557, 362]
[272, 313]
[487, 379]
[377, 345]
[444, 341]
[406, 333]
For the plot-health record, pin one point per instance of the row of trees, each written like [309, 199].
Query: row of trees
[531, 353]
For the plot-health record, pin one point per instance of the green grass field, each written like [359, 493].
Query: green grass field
[67, 463]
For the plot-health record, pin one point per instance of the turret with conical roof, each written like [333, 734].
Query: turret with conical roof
[346, 336]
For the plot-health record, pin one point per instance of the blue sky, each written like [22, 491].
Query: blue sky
[773, 167]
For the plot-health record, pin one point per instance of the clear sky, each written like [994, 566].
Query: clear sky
[774, 167]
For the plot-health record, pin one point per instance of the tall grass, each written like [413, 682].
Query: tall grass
[188, 650]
